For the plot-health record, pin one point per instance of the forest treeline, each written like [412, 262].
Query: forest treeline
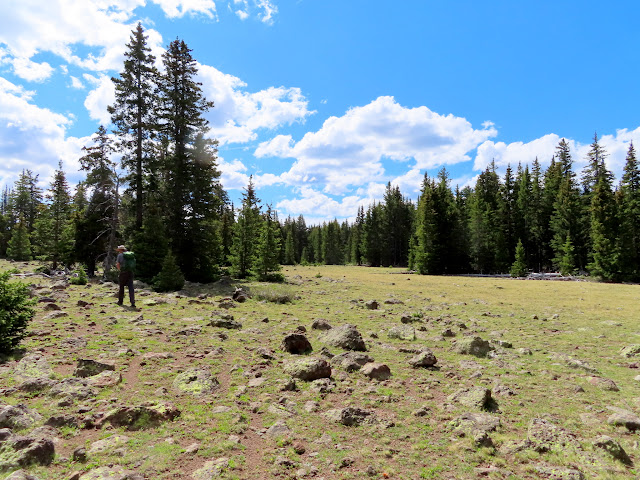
[163, 198]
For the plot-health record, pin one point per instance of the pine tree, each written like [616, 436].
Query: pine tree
[266, 263]
[246, 233]
[170, 277]
[25, 199]
[371, 232]
[289, 249]
[150, 244]
[629, 217]
[19, 247]
[566, 261]
[331, 244]
[356, 237]
[396, 227]
[133, 116]
[519, 267]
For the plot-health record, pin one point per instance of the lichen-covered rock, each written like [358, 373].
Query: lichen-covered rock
[376, 371]
[350, 416]
[309, 369]
[72, 389]
[424, 359]
[108, 444]
[196, 381]
[402, 332]
[544, 436]
[603, 383]
[475, 346]
[630, 350]
[111, 473]
[211, 469]
[88, 368]
[141, 417]
[21, 475]
[345, 336]
[372, 305]
[32, 366]
[320, 324]
[105, 379]
[18, 417]
[296, 343]
[278, 429]
[559, 473]
[475, 424]
[474, 397]
[36, 385]
[22, 451]
[229, 324]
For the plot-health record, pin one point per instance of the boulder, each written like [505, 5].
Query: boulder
[211, 469]
[630, 350]
[309, 369]
[424, 359]
[475, 346]
[347, 337]
[351, 361]
[17, 417]
[603, 384]
[227, 323]
[372, 305]
[543, 436]
[402, 332]
[613, 448]
[88, 368]
[474, 397]
[111, 473]
[476, 425]
[21, 475]
[320, 324]
[196, 381]
[376, 371]
[32, 366]
[296, 343]
[141, 417]
[350, 416]
[624, 418]
[22, 451]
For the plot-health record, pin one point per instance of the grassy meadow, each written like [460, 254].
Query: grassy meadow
[561, 336]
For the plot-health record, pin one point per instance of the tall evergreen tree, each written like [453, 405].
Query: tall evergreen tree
[60, 241]
[19, 247]
[629, 217]
[266, 264]
[331, 244]
[371, 232]
[356, 237]
[133, 117]
[25, 199]
[246, 233]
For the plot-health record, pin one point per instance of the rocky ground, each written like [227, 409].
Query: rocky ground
[357, 375]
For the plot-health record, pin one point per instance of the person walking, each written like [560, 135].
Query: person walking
[126, 265]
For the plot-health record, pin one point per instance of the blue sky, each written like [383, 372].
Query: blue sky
[324, 102]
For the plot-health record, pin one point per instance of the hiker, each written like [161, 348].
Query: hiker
[126, 265]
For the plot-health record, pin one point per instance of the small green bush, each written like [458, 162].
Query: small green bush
[79, 277]
[170, 277]
[15, 312]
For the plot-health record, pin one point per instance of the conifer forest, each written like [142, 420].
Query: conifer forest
[152, 183]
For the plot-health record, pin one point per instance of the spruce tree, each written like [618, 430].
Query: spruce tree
[245, 233]
[56, 220]
[519, 267]
[133, 117]
[356, 237]
[19, 247]
[331, 244]
[170, 277]
[25, 199]
[266, 264]
[629, 217]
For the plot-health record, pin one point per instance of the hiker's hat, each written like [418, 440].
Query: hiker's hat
[121, 247]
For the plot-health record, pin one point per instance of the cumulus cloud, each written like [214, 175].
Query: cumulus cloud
[31, 71]
[99, 98]
[316, 205]
[268, 10]
[350, 150]
[32, 137]
[238, 114]
[616, 145]
[180, 8]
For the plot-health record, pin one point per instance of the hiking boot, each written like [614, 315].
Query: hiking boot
[119, 304]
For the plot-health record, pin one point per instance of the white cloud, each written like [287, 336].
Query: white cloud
[238, 115]
[180, 8]
[233, 176]
[31, 71]
[268, 11]
[98, 99]
[313, 204]
[77, 83]
[32, 137]
[350, 150]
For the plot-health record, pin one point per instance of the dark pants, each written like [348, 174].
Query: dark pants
[126, 279]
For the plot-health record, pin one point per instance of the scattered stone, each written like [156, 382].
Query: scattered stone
[74, 343]
[55, 314]
[79, 455]
[543, 436]
[111, 473]
[613, 448]
[630, 351]
[196, 381]
[350, 416]
[474, 397]
[105, 379]
[402, 332]
[393, 301]
[190, 331]
[624, 418]
[72, 389]
[296, 344]
[22, 451]
[21, 475]
[475, 346]
[18, 417]
[192, 449]
[476, 425]
[351, 361]
[323, 385]
[278, 429]
[372, 305]
[376, 371]
[266, 353]
[225, 323]
[424, 359]
[559, 473]
[603, 384]
[320, 324]
[108, 444]
[240, 295]
[141, 417]
[32, 366]
[49, 307]
[347, 337]
[63, 420]
[309, 369]
[89, 368]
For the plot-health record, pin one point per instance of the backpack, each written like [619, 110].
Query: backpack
[129, 262]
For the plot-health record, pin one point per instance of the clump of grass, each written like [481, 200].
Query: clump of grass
[273, 293]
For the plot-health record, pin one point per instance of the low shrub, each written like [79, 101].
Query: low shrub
[274, 294]
[79, 277]
[170, 278]
[15, 312]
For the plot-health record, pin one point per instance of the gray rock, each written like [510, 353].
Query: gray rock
[476, 425]
[376, 371]
[474, 397]
[18, 417]
[559, 473]
[624, 418]
[350, 416]
[347, 337]
[372, 305]
[211, 469]
[543, 436]
[111, 473]
[32, 366]
[425, 358]
[630, 350]
[72, 389]
[108, 444]
[402, 332]
[603, 384]
[196, 381]
[229, 324]
[105, 379]
[296, 343]
[278, 429]
[21, 475]
[26, 451]
[141, 417]
[351, 361]
[88, 368]
[320, 324]
[475, 346]
[36, 385]
[309, 369]
[613, 448]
